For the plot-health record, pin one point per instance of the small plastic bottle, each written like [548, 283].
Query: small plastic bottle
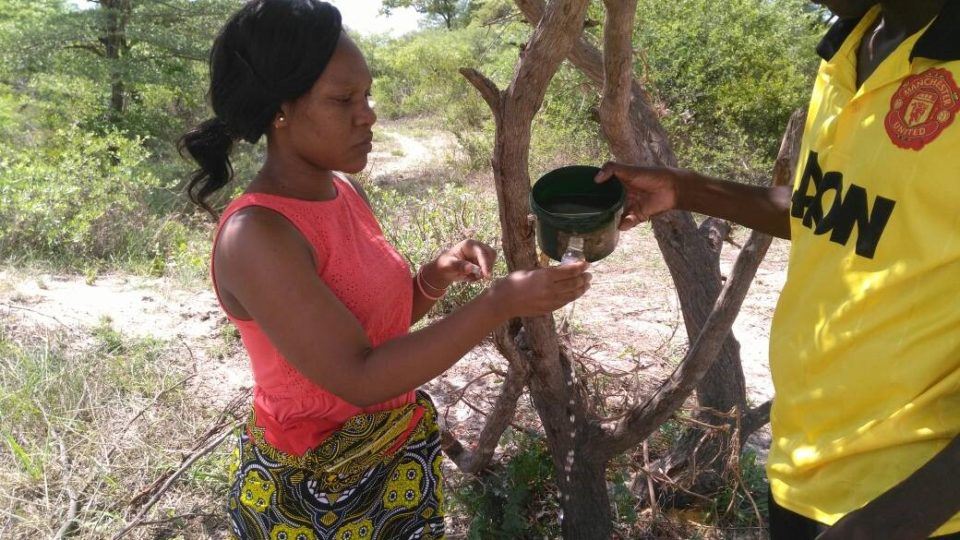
[574, 251]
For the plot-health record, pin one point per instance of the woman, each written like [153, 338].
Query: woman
[340, 444]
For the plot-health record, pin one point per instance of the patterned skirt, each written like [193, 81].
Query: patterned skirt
[359, 484]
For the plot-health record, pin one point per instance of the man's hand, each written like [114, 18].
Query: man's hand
[650, 190]
[655, 190]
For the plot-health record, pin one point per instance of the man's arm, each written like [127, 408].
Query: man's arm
[654, 190]
[913, 509]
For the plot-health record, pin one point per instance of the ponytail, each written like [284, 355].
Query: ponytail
[209, 144]
[268, 52]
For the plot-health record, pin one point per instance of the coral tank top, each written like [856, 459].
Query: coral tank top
[371, 279]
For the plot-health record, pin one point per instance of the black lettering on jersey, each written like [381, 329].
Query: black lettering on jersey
[845, 210]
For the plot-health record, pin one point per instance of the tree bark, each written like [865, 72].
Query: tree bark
[561, 407]
[637, 137]
[116, 18]
[477, 459]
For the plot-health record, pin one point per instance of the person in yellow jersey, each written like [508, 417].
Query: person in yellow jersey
[865, 342]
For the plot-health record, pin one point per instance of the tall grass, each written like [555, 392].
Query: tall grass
[87, 421]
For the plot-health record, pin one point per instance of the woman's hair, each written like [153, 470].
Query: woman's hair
[268, 53]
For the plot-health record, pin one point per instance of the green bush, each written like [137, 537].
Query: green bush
[78, 198]
[729, 75]
[418, 75]
[518, 501]
[75, 195]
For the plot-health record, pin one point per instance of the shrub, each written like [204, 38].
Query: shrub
[78, 198]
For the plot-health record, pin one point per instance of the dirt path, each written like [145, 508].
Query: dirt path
[401, 153]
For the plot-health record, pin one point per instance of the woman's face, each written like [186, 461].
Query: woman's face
[330, 126]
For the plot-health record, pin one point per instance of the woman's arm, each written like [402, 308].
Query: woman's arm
[263, 262]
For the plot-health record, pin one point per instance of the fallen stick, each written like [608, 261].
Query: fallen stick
[173, 478]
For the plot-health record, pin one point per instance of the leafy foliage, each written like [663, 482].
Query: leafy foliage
[158, 60]
[728, 75]
[449, 13]
[419, 225]
[74, 195]
[518, 501]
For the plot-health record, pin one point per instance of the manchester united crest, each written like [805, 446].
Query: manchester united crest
[922, 108]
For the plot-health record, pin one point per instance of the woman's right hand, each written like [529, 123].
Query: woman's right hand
[529, 293]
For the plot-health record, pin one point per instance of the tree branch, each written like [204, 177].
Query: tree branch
[188, 462]
[640, 422]
[87, 47]
[499, 417]
[618, 79]
[548, 46]
[714, 231]
[583, 55]
[487, 88]
[755, 419]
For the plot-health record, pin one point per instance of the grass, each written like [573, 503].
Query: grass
[161, 248]
[92, 417]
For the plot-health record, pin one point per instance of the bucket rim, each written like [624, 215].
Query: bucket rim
[585, 170]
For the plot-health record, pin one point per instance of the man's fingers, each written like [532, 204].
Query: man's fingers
[608, 171]
[629, 221]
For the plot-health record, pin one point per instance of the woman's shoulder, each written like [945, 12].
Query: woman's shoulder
[256, 227]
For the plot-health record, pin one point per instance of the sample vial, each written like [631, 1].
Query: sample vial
[574, 251]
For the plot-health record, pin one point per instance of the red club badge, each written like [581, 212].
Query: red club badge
[922, 108]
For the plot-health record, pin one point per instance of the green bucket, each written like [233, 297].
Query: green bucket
[567, 202]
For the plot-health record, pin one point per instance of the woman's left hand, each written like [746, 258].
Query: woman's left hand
[469, 261]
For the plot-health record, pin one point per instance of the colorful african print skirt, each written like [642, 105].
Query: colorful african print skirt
[359, 484]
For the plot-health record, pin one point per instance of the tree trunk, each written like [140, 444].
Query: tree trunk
[637, 137]
[116, 17]
[580, 471]
[557, 399]
[580, 447]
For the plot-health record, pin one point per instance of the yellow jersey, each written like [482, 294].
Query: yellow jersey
[865, 343]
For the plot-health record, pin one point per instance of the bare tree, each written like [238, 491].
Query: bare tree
[580, 443]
